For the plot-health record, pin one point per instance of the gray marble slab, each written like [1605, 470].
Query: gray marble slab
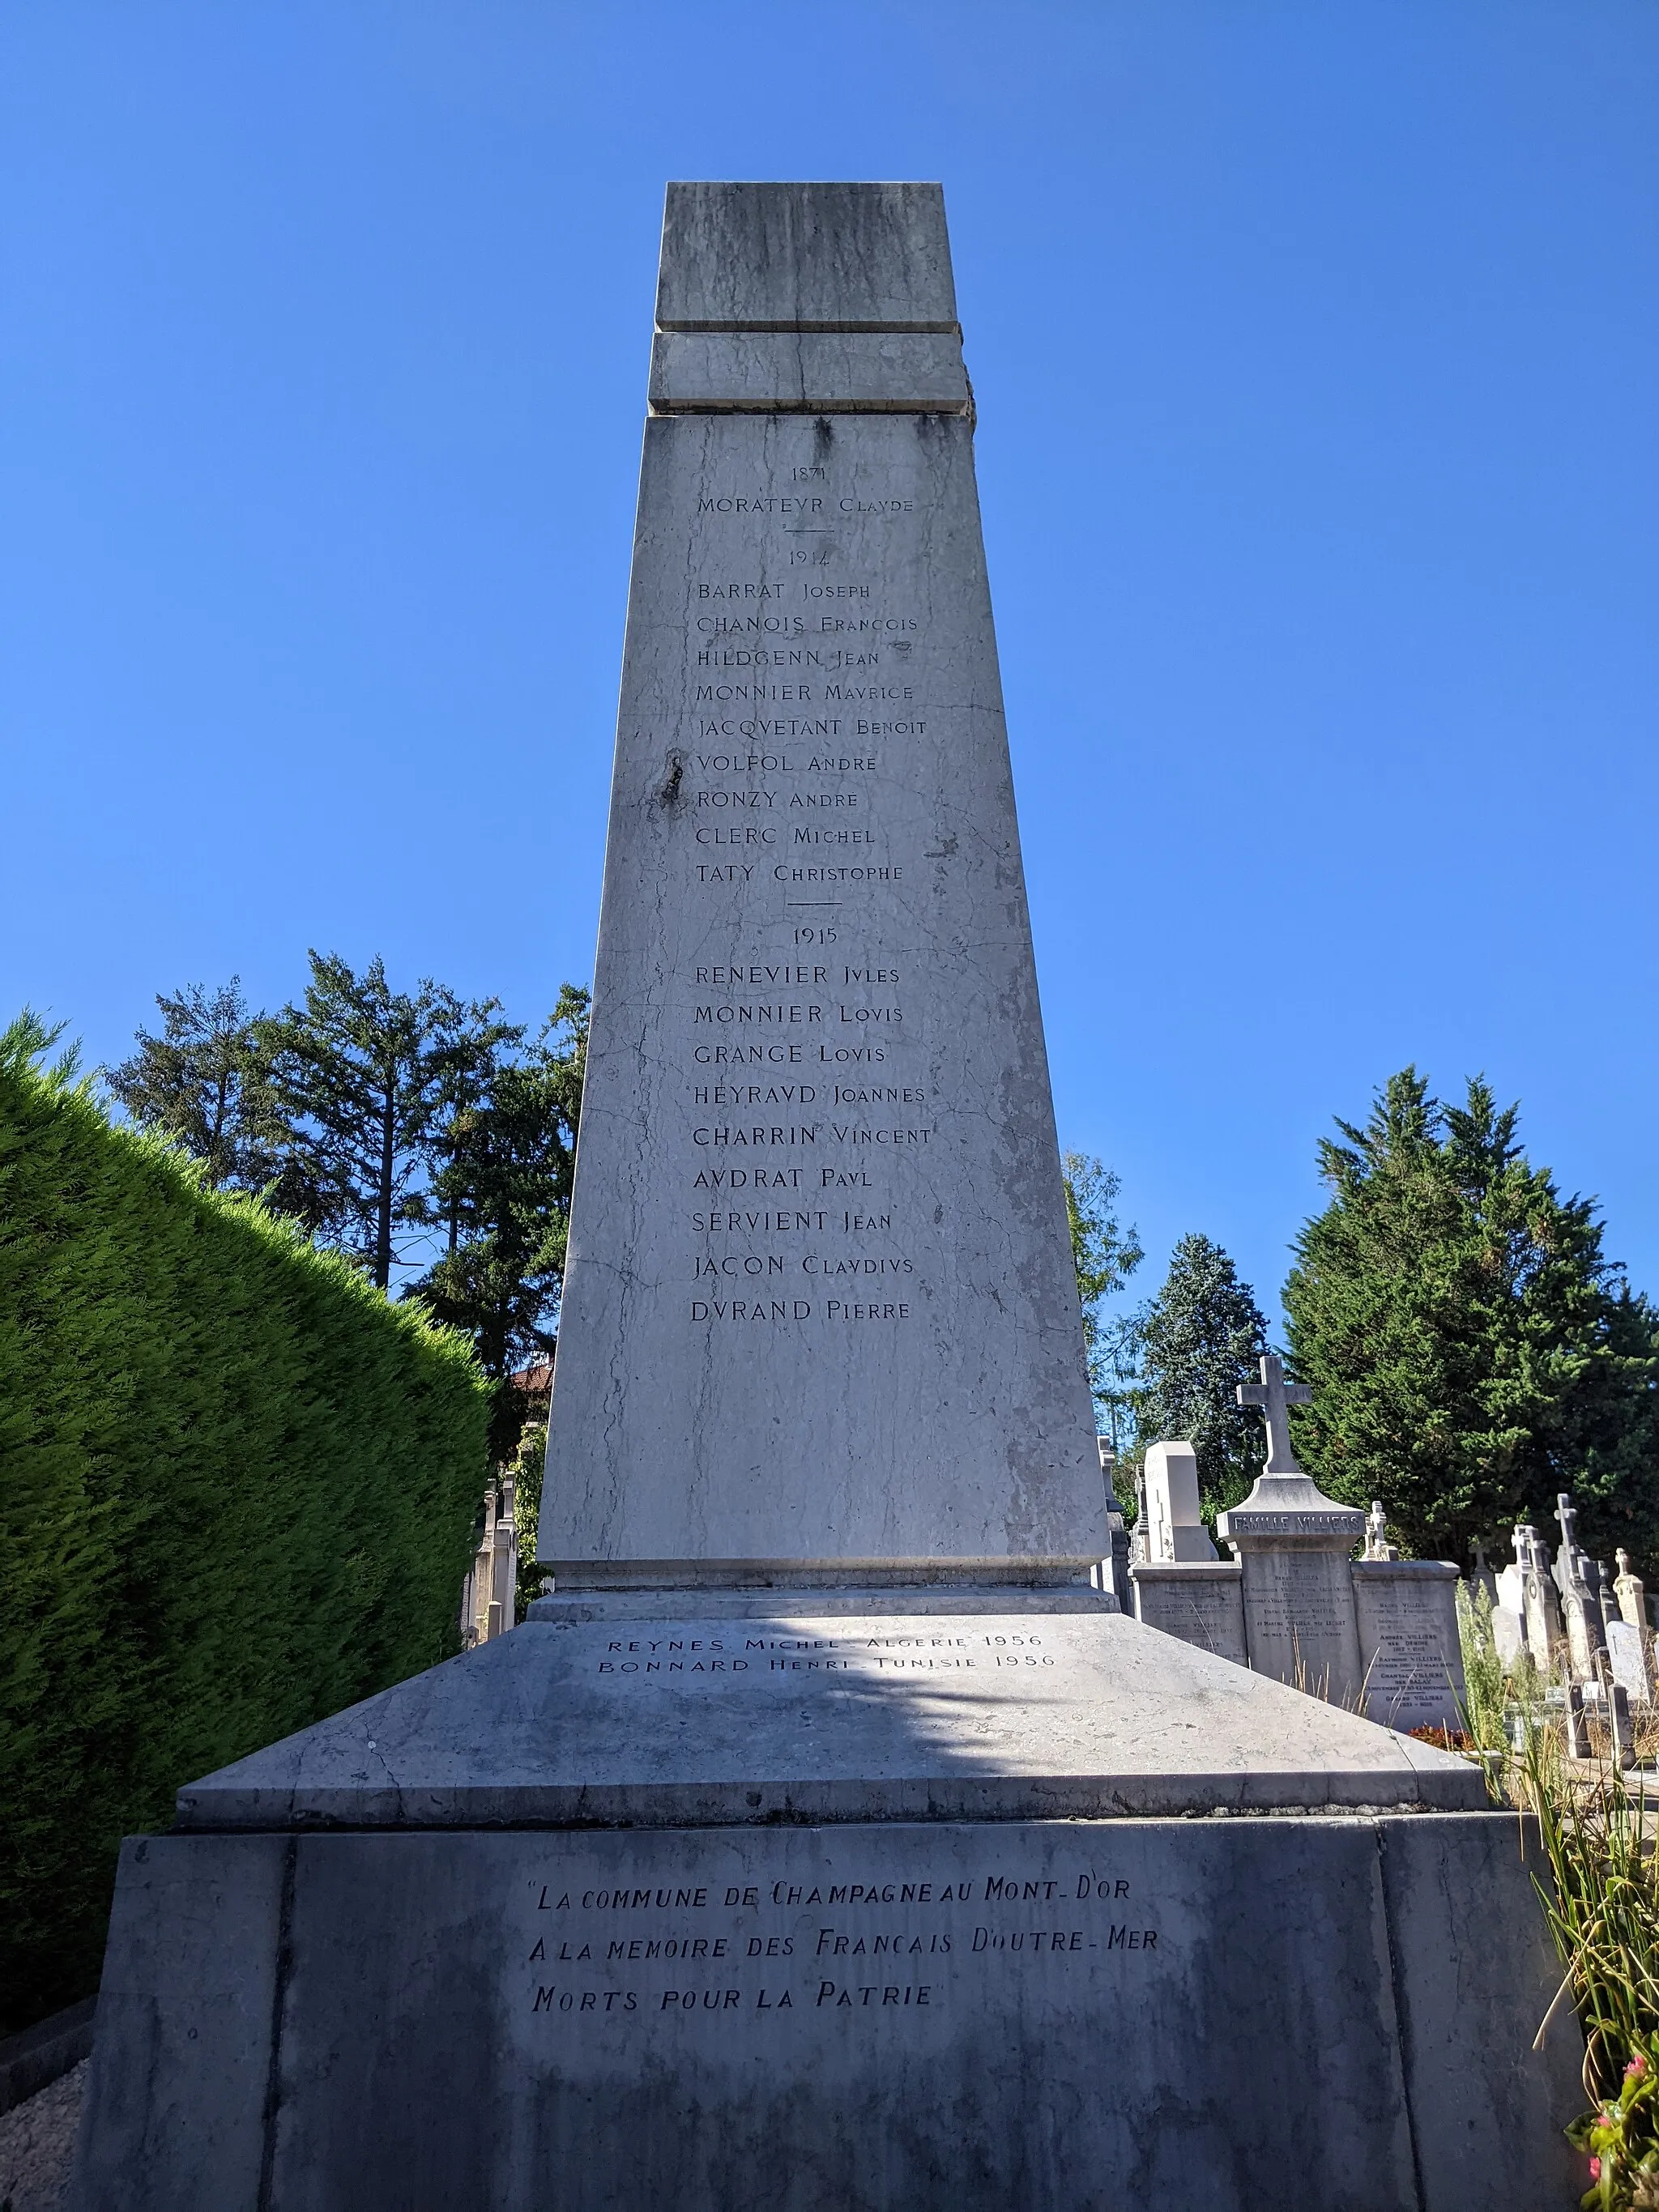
[1063, 2016]
[714, 372]
[679, 1721]
[835, 256]
[1628, 1659]
[1409, 1649]
[1201, 1603]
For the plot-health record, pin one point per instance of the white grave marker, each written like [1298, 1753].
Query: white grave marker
[1175, 1523]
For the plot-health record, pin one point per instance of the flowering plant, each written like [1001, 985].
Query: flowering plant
[1622, 2139]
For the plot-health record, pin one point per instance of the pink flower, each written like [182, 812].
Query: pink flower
[1595, 2169]
[1637, 2065]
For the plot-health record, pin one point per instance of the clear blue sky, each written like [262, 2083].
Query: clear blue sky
[1317, 349]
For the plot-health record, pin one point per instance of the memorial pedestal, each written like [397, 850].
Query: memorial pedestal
[862, 1911]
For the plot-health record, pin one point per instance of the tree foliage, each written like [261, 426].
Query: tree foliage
[1199, 1338]
[1471, 1351]
[500, 1192]
[414, 1132]
[202, 1083]
[1104, 1255]
[362, 1075]
[237, 1489]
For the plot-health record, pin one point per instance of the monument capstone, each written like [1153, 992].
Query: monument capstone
[827, 1840]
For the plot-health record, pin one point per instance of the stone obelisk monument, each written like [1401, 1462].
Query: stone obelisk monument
[826, 1840]
[820, 1321]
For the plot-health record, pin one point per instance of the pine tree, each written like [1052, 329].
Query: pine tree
[1201, 1337]
[501, 1192]
[1471, 1351]
[204, 1083]
[1104, 1256]
[362, 1075]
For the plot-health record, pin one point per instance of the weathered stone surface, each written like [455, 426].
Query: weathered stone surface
[828, 256]
[1628, 1657]
[1509, 1633]
[675, 1720]
[1409, 1648]
[174, 2112]
[36, 2056]
[1631, 1592]
[715, 372]
[820, 1315]
[1201, 1604]
[838, 1599]
[1060, 2016]
[1470, 1983]
[1299, 1619]
[1545, 1636]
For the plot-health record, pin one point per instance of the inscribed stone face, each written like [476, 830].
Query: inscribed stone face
[925, 2015]
[1408, 1641]
[1201, 1605]
[820, 1314]
[1299, 1621]
[1583, 1635]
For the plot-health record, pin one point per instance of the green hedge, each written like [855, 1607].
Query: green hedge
[237, 1492]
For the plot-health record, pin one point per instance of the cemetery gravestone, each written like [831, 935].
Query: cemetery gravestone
[1377, 1545]
[781, 1858]
[1581, 1608]
[1174, 1521]
[1483, 1577]
[1509, 1635]
[1508, 1612]
[1180, 1584]
[1603, 1606]
[1293, 1544]
[1628, 1658]
[1409, 1645]
[1201, 1605]
[1545, 1637]
[1117, 1534]
[1631, 1595]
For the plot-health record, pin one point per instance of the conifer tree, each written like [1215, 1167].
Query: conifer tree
[1201, 1337]
[203, 1082]
[363, 1074]
[500, 1194]
[1104, 1255]
[1471, 1350]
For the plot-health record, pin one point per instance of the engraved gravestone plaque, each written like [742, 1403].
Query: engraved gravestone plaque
[1409, 1642]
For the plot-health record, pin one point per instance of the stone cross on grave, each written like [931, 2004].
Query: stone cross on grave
[1273, 1393]
[1569, 1561]
[1377, 1545]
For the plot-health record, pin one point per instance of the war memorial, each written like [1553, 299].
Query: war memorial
[830, 1839]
